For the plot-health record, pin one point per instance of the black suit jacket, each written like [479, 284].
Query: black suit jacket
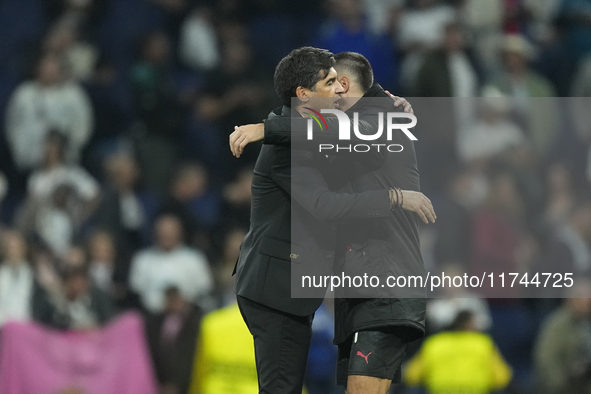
[289, 225]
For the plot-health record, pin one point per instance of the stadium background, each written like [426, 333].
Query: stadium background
[146, 93]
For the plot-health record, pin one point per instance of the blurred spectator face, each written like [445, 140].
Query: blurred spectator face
[558, 178]
[156, 48]
[49, 71]
[76, 257]
[101, 247]
[61, 37]
[581, 220]
[175, 303]
[237, 56]
[348, 9]
[190, 183]
[76, 285]
[580, 303]
[14, 247]
[515, 62]
[516, 53]
[469, 189]
[46, 271]
[232, 245]
[465, 321]
[123, 171]
[580, 306]
[245, 182]
[54, 148]
[471, 324]
[239, 191]
[454, 39]
[168, 232]
[505, 189]
[232, 31]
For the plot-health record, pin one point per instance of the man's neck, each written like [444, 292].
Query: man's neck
[354, 93]
[350, 99]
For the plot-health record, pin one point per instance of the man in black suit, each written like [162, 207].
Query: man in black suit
[281, 325]
[386, 246]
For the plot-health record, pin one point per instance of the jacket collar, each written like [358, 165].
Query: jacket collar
[375, 91]
[286, 111]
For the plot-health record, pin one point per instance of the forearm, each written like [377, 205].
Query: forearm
[293, 132]
[309, 189]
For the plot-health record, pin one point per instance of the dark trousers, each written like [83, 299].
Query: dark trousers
[281, 344]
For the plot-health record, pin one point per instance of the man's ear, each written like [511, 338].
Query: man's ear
[302, 94]
[345, 83]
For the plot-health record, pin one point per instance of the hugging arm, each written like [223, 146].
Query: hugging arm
[293, 132]
[280, 133]
[307, 186]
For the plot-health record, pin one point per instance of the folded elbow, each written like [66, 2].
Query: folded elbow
[323, 211]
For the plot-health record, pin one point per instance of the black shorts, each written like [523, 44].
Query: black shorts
[377, 353]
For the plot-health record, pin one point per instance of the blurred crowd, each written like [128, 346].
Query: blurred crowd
[118, 190]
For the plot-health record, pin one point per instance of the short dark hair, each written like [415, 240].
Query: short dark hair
[172, 291]
[358, 65]
[79, 271]
[55, 136]
[302, 67]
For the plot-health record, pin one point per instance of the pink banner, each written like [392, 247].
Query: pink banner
[112, 360]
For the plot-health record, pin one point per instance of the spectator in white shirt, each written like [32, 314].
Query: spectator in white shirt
[125, 208]
[109, 268]
[484, 22]
[16, 279]
[60, 197]
[492, 134]
[56, 171]
[198, 46]
[423, 26]
[453, 300]
[45, 103]
[170, 263]
[534, 102]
